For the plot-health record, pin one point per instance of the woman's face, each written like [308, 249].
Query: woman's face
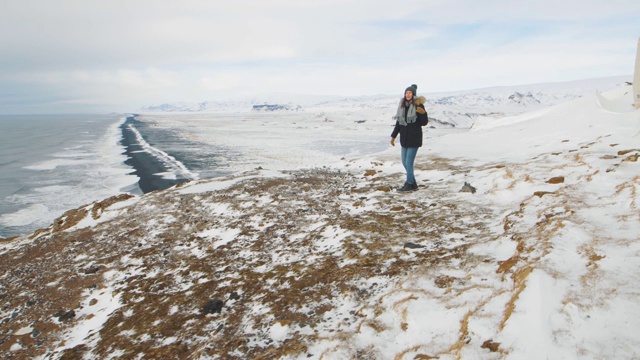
[408, 95]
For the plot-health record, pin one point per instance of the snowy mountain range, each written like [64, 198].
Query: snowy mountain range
[459, 108]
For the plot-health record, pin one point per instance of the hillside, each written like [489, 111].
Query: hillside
[331, 263]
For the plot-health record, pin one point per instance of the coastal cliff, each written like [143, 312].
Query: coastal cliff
[332, 263]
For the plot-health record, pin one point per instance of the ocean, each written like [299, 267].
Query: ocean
[53, 163]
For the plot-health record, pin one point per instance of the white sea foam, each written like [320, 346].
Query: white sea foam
[46, 165]
[24, 216]
[79, 170]
[54, 189]
[115, 174]
[178, 168]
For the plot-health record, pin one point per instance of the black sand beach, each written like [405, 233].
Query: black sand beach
[146, 166]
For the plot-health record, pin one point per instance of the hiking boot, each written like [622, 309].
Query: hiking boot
[408, 187]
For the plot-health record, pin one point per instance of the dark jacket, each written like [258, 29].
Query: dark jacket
[411, 135]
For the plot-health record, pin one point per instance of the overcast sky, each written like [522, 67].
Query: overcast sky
[119, 55]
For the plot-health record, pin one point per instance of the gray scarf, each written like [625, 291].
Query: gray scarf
[411, 114]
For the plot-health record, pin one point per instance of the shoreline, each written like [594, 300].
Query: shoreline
[146, 166]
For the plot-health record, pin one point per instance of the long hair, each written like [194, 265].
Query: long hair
[404, 102]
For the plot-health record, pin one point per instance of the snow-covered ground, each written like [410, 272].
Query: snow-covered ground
[542, 261]
[459, 108]
[328, 129]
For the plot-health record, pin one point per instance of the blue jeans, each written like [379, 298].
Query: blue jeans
[408, 155]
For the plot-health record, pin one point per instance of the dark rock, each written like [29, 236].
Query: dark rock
[92, 270]
[213, 306]
[234, 296]
[65, 316]
[411, 245]
[468, 188]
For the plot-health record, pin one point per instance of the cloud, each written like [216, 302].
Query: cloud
[123, 52]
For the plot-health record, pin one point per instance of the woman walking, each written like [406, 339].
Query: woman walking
[410, 119]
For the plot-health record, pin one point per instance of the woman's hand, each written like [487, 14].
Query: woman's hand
[393, 141]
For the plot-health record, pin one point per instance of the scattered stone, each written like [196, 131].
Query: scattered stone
[234, 296]
[556, 180]
[411, 245]
[625, 152]
[631, 158]
[492, 346]
[165, 252]
[541, 193]
[468, 188]
[213, 306]
[65, 316]
[92, 270]
[370, 173]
